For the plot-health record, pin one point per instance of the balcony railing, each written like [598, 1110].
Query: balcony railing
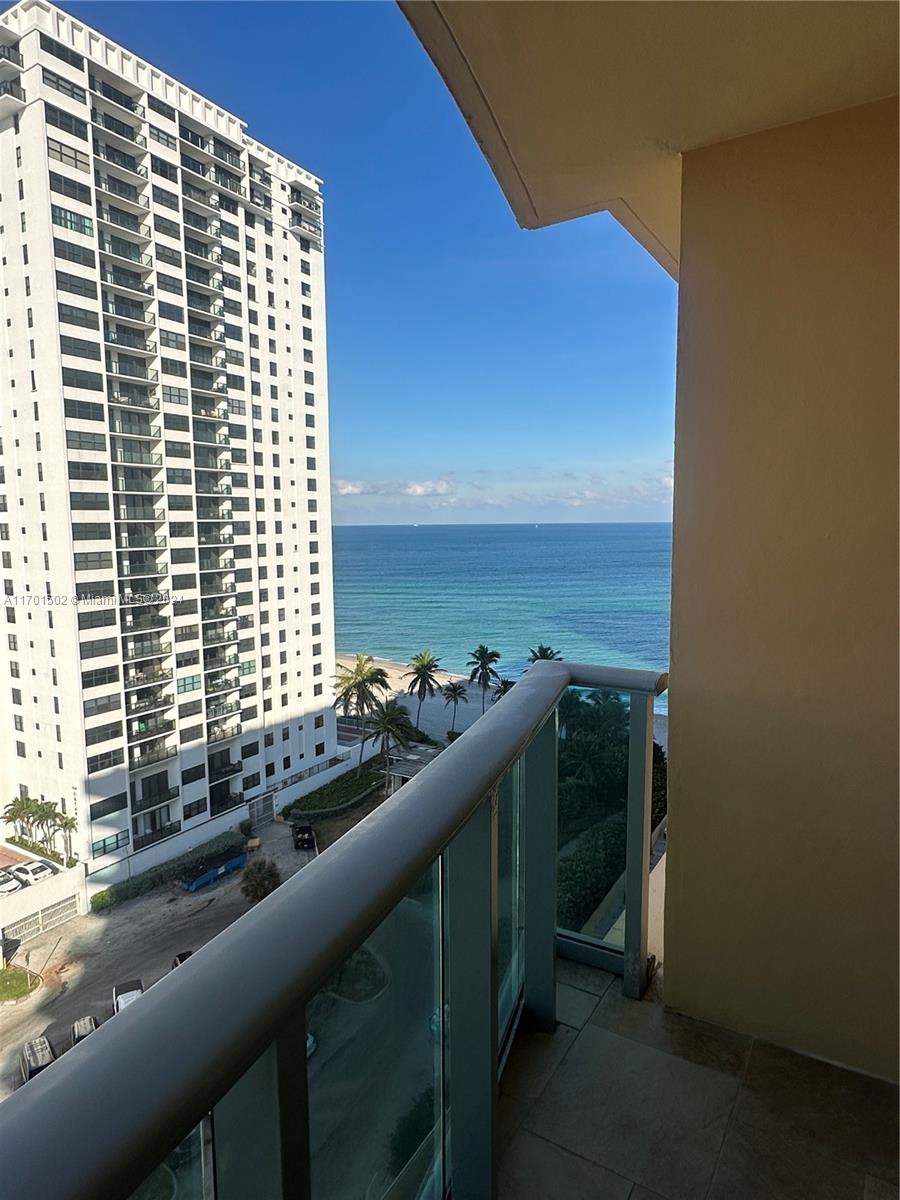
[162, 700]
[228, 683]
[136, 457]
[113, 93]
[124, 279]
[216, 587]
[9, 87]
[130, 340]
[143, 541]
[154, 799]
[145, 678]
[11, 55]
[147, 650]
[121, 128]
[223, 771]
[152, 756]
[137, 485]
[118, 187]
[116, 158]
[124, 220]
[219, 637]
[447, 896]
[131, 312]
[142, 840]
[223, 735]
[217, 612]
[130, 512]
[149, 729]
[122, 249]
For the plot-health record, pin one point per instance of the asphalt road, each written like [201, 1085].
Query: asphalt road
[82, 960]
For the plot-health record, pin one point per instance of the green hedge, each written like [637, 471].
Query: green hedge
[423, 738]
[40, 851]
[165, 872]
[586, 875]
[351, 785]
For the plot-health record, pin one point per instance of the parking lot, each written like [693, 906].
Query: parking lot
[81, 961]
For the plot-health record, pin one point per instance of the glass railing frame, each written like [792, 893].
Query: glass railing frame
[449, 808]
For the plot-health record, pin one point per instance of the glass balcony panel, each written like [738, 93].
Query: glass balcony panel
[183, 1172]
[247, 1136]
[377, 1034]
[593, 793]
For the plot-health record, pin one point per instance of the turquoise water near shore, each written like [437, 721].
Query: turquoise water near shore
[598, 593]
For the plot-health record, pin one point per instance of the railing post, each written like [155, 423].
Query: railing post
[293, 1111]
[637, 849]
[539, 767]
[471, 864]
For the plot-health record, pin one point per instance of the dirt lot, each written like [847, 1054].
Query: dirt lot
[328, 832]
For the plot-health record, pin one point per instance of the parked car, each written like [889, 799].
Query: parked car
[82, 1028]
[126, 993]
[304, 838]
[28, 873]
[36, 1055]
[183, 956]
[8, 884]
[311, 1044]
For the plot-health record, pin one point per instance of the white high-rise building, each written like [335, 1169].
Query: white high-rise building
[167, 649]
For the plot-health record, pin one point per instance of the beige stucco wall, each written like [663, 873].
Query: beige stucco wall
[781, 906]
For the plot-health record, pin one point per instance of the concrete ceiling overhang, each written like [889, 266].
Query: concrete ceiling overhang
[584, 107]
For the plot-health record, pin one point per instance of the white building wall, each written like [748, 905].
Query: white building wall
[217, 459]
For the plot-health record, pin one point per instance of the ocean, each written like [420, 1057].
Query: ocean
[598, 593]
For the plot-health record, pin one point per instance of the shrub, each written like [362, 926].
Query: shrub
[587, 874]
[415, 734]
[346, 788]
[139, 885]
[246, 827]
[261, 878]
[40, 851]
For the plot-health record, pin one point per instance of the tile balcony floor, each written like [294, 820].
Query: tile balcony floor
[626, 1101]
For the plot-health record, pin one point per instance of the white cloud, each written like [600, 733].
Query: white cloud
[428, 487]
[391, 487]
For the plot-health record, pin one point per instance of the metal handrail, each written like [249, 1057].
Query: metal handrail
[186, 1062]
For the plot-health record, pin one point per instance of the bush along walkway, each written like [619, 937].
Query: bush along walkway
[341, 793]
[166, 872]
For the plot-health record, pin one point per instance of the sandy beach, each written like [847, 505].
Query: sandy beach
[436, 716]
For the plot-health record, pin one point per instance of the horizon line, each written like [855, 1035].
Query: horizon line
[449, 524]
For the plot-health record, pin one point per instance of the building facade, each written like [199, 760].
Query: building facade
[167, 645]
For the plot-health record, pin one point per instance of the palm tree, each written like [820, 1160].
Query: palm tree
[45, 817]
[355, 689]
[453, 693]
[20, 812]
[389, 723]
[503, 686]
[483, 671]
[422, 679]
[66, 825]
[543, 652]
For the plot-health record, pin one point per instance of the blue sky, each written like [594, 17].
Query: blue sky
[478, 372]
